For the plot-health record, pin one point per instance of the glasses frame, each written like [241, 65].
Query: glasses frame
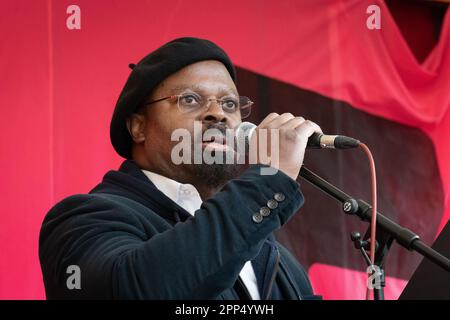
[209, 100]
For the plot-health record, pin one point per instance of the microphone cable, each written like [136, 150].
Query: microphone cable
[373, 223]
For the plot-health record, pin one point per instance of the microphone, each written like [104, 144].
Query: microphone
[315, 141]
[319, 141]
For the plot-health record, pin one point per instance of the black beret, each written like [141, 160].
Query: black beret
[149, 72]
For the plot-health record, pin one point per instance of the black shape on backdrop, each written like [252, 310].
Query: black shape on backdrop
[430, 281]
[409, 185]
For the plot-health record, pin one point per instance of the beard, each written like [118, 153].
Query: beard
[215, 175]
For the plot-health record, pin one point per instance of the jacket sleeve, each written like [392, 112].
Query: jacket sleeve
[195, 259]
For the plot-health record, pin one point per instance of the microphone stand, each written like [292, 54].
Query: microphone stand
[387, 230]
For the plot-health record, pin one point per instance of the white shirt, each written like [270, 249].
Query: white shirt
[187, 197]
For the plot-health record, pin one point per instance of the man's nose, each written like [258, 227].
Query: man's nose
[214, 112]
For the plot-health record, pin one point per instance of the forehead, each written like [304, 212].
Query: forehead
[200, 76]
[201, 88]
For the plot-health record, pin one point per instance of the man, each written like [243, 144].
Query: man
[159, 230]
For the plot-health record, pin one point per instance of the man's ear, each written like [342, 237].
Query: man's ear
[136, 127]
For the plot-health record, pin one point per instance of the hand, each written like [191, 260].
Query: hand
[293, 135]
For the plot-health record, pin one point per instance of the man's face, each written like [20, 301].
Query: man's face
[210, 80]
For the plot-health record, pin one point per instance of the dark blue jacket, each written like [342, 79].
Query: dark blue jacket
[130, 241]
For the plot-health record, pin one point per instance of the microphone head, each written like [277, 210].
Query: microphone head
[243, 133]
[244, 130]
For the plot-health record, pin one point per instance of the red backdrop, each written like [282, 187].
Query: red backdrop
[59, 87]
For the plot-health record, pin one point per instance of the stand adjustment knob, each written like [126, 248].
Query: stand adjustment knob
[350, 206]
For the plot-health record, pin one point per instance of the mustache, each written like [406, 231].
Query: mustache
[218, 126]
[212, 131]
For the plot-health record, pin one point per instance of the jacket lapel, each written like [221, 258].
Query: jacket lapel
[129, 181]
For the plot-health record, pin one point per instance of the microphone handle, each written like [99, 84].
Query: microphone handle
[319, 140]
[314, 141]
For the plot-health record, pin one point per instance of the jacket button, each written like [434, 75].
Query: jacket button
[272, 204]
[257, 218]
[264, 211]
[279, 197]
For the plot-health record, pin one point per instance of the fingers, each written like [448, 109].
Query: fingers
[280, 120]
[274, 120]
[288, 121]
[269, 118]
[293, 123]
[307, 128]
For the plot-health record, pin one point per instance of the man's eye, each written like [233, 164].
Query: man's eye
[189, 99]
[230, 105]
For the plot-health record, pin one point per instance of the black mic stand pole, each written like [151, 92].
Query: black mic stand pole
[387, 230]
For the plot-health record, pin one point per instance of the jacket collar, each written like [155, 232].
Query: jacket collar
[130, 182]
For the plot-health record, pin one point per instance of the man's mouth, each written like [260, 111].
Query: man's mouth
[217, 143]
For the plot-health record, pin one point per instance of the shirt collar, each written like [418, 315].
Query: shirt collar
[185, 195]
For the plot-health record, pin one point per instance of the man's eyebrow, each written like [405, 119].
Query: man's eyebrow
[200, 89]
[177, 89]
